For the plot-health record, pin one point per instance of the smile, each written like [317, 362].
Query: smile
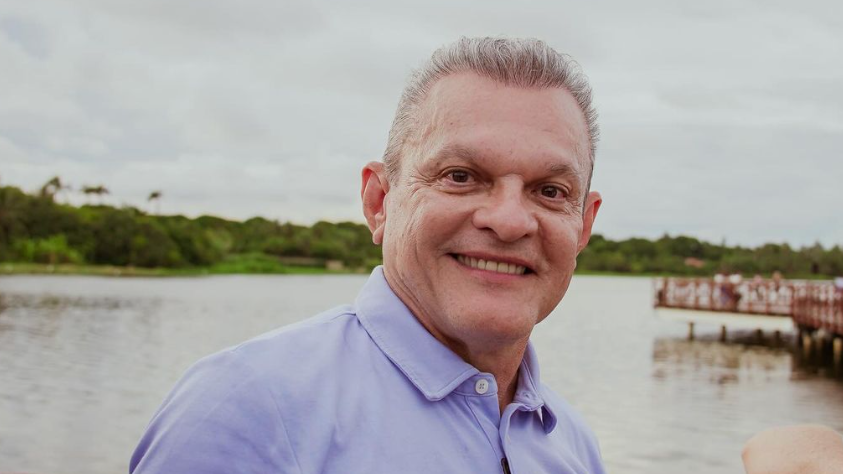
[491, 266]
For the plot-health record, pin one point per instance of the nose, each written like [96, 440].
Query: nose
[506, 213]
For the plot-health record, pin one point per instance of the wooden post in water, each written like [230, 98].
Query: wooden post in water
[759, 335]
[777, 338]
[820, 342]
[723, 333]
[806, 344]
[838, 351]
[691, 331]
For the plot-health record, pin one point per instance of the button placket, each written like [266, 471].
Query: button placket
[480, 397]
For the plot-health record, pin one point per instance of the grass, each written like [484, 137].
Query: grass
[73, 269]
[258, 263]
[249, 264]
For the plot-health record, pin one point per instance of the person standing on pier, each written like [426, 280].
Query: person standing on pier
[482, 204]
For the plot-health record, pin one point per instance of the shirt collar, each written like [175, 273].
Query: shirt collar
[432, 367]
[529, 391]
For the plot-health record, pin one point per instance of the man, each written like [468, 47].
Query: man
[482, 204]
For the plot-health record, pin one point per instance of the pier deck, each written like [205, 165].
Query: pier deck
[813, 309]
[810, 306]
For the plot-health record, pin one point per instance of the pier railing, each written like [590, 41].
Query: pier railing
[766, 297]
[820, 307]
[810, 304]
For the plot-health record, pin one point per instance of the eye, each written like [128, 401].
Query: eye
[551, 192]
[459, 176]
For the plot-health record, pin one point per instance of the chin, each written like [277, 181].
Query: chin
[498, 323]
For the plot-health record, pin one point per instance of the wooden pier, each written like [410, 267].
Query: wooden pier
[814, 310]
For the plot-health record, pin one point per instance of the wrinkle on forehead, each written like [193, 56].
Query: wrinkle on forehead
[455, 100]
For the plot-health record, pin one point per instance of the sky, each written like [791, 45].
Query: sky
[721, 120]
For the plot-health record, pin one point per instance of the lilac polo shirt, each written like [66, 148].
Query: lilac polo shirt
[359, 389]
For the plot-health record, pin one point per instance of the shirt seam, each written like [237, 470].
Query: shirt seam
[236, 351]
[284, 428]
[221, 402]
[302, 324]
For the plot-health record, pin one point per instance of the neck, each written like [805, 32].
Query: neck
[503, 363]
[501, 358]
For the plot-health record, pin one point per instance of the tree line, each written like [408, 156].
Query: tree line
[35, 228]
[683, 255]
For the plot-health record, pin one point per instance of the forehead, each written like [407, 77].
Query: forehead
[468, 110]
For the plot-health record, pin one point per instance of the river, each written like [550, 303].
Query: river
[85, 361]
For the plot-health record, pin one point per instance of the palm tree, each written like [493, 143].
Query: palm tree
[53, 187]
[155, 196]
[98, 190]
[88, 190]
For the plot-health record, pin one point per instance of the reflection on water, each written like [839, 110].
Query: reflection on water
[719, 363]
[85, 362]
[746, 354]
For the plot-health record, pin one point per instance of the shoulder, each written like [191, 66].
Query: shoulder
[231, 401]
[273, 353]
[295, 344]
[293, 356]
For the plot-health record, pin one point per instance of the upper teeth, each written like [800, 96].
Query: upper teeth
[491, 266]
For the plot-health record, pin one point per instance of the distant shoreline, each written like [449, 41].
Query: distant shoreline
[37, 231]
[9, 268]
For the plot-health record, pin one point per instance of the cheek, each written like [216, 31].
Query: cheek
[399, 216]
[438, 216]
[408, 227]
[561, 240]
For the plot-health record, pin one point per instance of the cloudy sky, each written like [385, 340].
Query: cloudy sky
[721, 119]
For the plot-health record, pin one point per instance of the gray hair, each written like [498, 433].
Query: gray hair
[525, 63]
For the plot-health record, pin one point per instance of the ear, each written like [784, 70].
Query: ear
[373, 191]
[592, 205]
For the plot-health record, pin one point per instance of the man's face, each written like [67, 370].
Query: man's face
[482, 227]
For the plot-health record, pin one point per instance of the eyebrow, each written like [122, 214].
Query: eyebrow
[455, 151]
[474, 157]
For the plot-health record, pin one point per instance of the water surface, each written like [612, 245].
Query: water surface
[85, 361]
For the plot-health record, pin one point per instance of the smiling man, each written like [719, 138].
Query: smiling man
[482, 204]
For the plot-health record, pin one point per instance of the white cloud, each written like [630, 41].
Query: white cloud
[720, 119]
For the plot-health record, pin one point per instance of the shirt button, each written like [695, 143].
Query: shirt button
[482, 386]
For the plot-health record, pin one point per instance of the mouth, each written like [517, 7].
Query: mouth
[508, 268]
